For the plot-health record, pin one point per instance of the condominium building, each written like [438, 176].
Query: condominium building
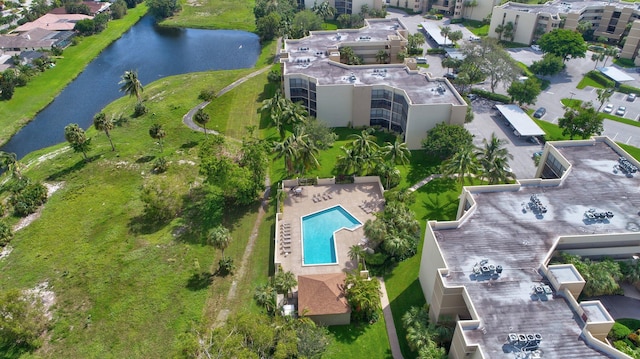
[468, 9]
[525, 23]
[344, 6]
[490, 268]
[395, 96]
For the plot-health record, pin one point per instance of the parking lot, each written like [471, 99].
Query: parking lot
[487, 121]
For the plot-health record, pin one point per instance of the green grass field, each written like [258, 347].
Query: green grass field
[40, 91]
[478, 28]
[112, 272]
[215, 14]
[359, 341]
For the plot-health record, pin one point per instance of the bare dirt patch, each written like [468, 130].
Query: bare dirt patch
[5, 252]
[48, 297]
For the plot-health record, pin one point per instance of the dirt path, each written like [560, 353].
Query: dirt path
[223, 314]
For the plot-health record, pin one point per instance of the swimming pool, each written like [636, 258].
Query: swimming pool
[318, 242]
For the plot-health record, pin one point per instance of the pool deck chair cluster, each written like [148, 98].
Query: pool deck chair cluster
[319, 197]
[285, 238]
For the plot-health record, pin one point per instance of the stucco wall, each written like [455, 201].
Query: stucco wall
[334, 104]
[331, 319]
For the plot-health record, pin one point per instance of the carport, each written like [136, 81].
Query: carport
[433, 30]
[522, 124]
[615, 74]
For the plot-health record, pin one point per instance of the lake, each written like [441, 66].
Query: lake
[155, 53]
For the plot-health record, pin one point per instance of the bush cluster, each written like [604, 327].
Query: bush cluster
[27, 200]
[492, 96]
[436, 51]
[600, 78]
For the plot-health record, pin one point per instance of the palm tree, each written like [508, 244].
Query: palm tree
[444, 31]
[265, 296]
[494, 160]
[397, 153]
[597, 57]
[356, 253]
[509, 30]
[382, 57]
[102, 123]
[77, 138]
[219, 237]
[388, 171]
[131, 84]
[324, 10]
[293, 113]
[364, 142]
[499, 30]
[157, 133]
[284, 282]
[394, 245]
[306, 150]
[202, 118]
[363, 295]
[608, 52]
[603, 96]
[287, 150]
[9, 161]
[464, 162]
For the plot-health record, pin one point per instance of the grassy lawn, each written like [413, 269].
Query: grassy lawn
[29, 100]
[553, 132]
[633, 151]
[330, 25]
[359, 341]
[112, 271]
[587, 81]
[478, 28]
[215, 14]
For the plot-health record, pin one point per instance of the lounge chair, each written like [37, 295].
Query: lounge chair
[329, 195]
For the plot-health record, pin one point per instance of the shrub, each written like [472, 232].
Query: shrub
[492, 96]
[629, 89]
[274, 76]
[619, 332]
[160, 165]
[601, 79]
[456, 21]
[139, 110]
[634, 338]
[28, 199]
[207, 95]
[436, 51]
[5, 234]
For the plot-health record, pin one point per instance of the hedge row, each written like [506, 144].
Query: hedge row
[436, 51]
[629, 89]
[598, 77]
[492, 96]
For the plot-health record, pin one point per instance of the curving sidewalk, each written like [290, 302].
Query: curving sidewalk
[188, 118]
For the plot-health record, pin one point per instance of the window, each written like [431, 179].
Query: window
[616, 15]
[298, 83]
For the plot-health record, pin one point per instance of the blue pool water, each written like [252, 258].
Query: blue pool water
[317, 234]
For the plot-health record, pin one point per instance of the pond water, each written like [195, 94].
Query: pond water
[155, 53]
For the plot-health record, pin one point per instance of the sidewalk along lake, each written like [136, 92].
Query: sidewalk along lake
[153, 51]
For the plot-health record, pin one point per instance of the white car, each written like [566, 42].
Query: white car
[608, 108]
[631, 97]
[621, 111]
[535, 47]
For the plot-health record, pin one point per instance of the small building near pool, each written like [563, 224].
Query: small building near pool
[321, 298]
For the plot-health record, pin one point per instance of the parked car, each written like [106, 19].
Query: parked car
[450, 75]
[537, 154]
[421, 60]
[631, 97]
[536, 48]
[540, 112]
[621, 111]
[608, 108]
[472, 96]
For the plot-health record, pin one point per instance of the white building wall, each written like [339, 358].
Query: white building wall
[422, 118]
[334, 103]
[482, 10]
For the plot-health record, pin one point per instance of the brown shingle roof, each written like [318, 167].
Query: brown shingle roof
[322, 294]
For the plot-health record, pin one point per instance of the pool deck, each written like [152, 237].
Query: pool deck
[351, 197]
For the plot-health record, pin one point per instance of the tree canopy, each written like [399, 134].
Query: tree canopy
[582, 122]
[22, 320]
[492, 60]
[563, 43]
[444, 140]
[525, 92]
[550, 64]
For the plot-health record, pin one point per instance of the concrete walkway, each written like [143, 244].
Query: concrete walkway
[424, 182]
[188, 118]
[388, 318]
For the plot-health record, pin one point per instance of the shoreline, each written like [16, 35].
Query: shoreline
[24, 95]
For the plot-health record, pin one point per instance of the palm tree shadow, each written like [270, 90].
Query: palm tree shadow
[144, 224]
[76, 167]
[199, 281]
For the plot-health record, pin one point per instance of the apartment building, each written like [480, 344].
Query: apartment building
[344, 6]
[394, 95]
[467, 9]
[525, 23]
[490, 268]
